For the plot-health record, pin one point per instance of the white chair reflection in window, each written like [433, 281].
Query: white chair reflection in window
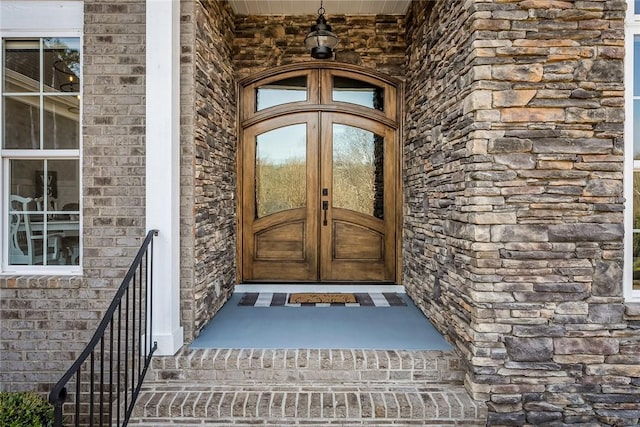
[26, 241]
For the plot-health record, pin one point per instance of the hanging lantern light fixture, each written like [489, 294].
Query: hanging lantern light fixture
[321, 40]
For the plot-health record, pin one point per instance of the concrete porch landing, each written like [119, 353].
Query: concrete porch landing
[304, 387]
[380, 328]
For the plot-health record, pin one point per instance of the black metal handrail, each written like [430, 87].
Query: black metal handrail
[107, 393]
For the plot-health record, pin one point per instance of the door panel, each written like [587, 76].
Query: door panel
[353, 242]
[358, 240]
[283, 242]
[279, 202]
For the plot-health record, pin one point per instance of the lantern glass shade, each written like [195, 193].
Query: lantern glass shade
[321, 40]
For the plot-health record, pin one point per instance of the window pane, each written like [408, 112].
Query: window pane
[22, 66]
[358, 92]
[67, 184]
[61, 62]
[636, 7]
[61, 122]
[65, 219]
[281, 179]
[358, 172]
[25, 245]
[21, 122]
[22, 177]
[283, 91]
[44, 212]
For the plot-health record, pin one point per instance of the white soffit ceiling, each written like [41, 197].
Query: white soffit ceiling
[310, 7]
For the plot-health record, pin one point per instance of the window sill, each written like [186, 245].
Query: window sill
[42, 281]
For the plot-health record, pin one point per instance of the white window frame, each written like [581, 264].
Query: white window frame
[38, 19]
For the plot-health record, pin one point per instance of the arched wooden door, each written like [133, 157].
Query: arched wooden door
[319, 177]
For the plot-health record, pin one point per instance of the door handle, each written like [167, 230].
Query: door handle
[325, 208]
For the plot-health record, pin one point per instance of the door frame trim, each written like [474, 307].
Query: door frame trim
[346, 69]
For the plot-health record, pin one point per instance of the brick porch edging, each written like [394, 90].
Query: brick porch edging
[310, 364]
[304, 405]
[305, 387]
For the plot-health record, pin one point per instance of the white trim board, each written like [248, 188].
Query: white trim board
[37, 15]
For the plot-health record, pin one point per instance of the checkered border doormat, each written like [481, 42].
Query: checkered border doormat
[277, 299]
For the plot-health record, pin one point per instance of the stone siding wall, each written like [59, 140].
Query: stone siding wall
[208, 163]
[523, 239]
[47, 321]
[437, 134]
[374, 42]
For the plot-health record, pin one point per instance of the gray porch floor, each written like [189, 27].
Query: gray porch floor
[379, 328]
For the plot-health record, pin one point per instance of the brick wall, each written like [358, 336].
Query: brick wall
[187, 187]
[113, 187]
[47, 321]
[514, 225]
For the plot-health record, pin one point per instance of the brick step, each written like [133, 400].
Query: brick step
[311, 365]
[306, 387]
[186, 404]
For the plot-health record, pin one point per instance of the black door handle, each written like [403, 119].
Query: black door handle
[325, 208]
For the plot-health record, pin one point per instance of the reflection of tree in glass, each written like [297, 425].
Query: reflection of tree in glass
[357, 170]
[280, 185]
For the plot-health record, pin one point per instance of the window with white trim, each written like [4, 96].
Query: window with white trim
[632, 152]
[40, 144]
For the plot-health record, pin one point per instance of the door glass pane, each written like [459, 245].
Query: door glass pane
[22, 122]
[293, 89]
[281, 179]
[358, 172]
[61, 62]
[358, 92]
[22, 66]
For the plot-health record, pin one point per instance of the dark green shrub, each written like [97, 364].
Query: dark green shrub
[25, 410]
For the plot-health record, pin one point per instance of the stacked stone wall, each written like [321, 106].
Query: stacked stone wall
[374, 42]
[208, 161]
[520, 232]
[47, 321]
[437, 133]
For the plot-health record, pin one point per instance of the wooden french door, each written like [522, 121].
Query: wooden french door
[318, 198]
[315, 203]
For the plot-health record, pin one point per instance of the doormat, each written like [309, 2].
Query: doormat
[305, 298]
[281, 299]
